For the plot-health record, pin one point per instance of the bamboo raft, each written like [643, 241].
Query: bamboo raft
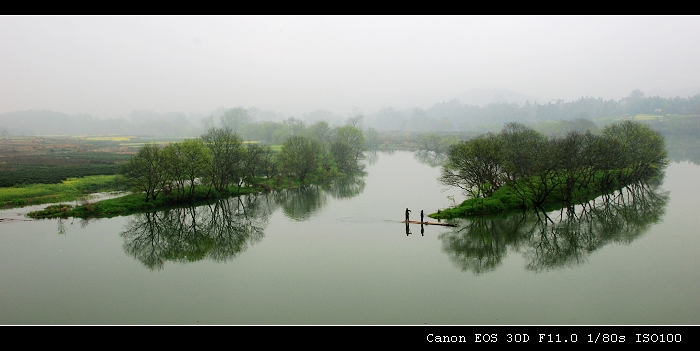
[431, 223]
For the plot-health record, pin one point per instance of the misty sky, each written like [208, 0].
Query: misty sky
[110, 66]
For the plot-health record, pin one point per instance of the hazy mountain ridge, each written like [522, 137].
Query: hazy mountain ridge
[450, 115]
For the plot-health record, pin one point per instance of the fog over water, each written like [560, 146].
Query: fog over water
[110, 66]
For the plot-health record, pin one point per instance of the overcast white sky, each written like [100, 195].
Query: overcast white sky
[110, 66]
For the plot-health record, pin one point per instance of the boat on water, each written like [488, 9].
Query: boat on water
[432, 223]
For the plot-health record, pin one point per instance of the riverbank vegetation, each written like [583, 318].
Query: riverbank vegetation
[520, 168]
[219, 164]
[558, 239]
[26, 160]
[69, 190]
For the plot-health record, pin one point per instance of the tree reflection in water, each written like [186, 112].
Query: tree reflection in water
[347, 187]
[430, 158]
[557, 239]
[302, 203]
[222, 230]
[371, 157]
[219, 231]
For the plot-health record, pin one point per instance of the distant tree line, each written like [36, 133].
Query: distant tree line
[220, 162]
[255, 124]
[454, 116]
[46, 122]
[535, 169]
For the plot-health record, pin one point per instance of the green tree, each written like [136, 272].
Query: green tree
[251, 163]
[197, 158]
[145, 171]
[227, 154]
[268, 162]
[643, 150]
[353, 137]
[607, 158]
[475, 166]
[322, 132]
[343, 156]
[348, 147]
[574, 156]
[520, 146]
[186, 164]
[172, 165]
[300, 156]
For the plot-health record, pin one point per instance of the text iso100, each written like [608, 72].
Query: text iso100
[658, 337]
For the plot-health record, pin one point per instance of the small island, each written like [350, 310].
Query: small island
[519, 168]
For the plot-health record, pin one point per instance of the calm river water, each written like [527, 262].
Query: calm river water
[340, 255]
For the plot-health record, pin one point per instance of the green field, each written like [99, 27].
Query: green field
[45, 169]
[68, 190]
[28, 160]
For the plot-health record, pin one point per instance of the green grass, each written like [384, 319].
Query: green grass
[68, 190]
[506, 200]
[647, 117]
[136, 202]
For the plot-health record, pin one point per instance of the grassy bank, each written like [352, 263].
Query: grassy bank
[507, 199]
[136, 202]
[68, 190]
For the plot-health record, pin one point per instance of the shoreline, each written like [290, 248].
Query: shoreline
[135, 202]
[505, 200]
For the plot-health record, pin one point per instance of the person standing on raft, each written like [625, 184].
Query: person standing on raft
[421, 216]
[407, 212]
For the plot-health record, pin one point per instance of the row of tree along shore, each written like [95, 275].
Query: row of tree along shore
[220, 164]
[520, 168]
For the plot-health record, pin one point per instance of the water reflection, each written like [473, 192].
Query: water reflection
[556, 239]
[371, 157]
[219, 231]
[430, 158]
[222, 230]
[682, 149]
[347, 187]
[302, 203]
